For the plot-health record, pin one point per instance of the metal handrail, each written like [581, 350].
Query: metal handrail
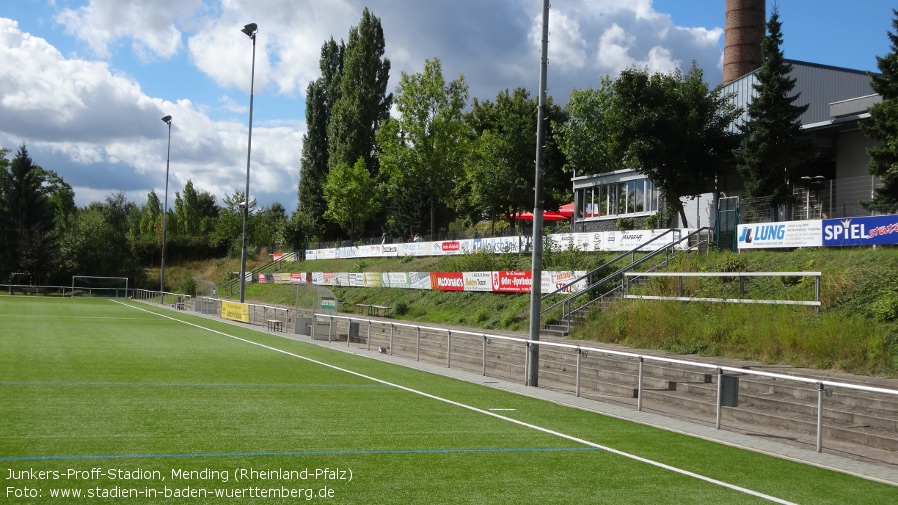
[822, 384]
[566, 302]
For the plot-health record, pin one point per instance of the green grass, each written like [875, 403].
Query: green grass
[95, 384]
[856, 330]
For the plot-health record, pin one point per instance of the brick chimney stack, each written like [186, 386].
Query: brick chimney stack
[745, 29]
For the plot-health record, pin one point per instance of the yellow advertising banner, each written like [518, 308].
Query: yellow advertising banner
[234, 310]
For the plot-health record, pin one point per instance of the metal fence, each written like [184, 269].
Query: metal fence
[818, 199]
[566, 366]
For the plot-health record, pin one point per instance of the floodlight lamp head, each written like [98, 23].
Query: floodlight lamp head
[250, 30]
[167, 120]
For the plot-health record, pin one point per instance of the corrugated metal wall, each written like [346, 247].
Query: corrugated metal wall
[818, 85]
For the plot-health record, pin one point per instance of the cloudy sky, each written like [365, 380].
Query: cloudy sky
[84, 83]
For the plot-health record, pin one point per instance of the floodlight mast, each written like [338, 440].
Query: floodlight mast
[537, 242]
[250, 31]
[166, 120]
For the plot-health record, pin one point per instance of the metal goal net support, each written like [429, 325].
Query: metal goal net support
[102, 287]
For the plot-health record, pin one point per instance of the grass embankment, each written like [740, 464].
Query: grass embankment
[855, 331]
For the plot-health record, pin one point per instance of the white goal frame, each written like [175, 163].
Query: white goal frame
[95, 286]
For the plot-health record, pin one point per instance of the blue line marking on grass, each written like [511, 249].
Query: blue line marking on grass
[301, 453]
[188, 384]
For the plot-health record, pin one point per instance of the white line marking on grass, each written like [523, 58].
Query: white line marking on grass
[571, 438]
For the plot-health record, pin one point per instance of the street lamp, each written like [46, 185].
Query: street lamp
[166, 120]
[250, 31]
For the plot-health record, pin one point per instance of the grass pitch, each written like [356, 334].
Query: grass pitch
[103, 400]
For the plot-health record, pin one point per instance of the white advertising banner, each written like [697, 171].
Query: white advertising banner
[786, 234]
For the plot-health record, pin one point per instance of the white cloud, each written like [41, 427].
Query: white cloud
[150, 25]
[103, 126]
[109, 135]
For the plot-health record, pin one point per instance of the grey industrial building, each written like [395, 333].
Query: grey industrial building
[838, 99]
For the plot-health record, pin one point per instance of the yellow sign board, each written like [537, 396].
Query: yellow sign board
[235, 311]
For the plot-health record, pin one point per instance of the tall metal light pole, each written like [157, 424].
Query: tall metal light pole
[250, 31]
[167, 120]
[537, 251]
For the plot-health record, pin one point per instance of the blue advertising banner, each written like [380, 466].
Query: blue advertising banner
[854, 231]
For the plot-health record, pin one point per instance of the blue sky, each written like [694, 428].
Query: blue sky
[85, 82]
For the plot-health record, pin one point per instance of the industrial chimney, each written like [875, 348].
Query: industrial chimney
[745, 29]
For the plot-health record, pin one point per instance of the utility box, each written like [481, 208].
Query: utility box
[729, 391]
[353, 331]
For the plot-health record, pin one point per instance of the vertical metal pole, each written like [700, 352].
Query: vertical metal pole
[330, 329]
[820, 392]
[391, 338]
[249, 145]
[418, 343]
[719, 396]
[639, 385]
[368, 340]
[484, 355]
[817, 292]
[167, 119]
[536, 259]
[449, 349]
[579, 355]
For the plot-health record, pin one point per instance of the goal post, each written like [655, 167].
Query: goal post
[103, 287]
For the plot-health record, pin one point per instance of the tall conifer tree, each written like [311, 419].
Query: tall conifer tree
[775, 153]
[884, 124]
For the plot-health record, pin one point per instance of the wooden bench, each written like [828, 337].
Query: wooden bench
[380, 310]
[275, 325]
[363, 307]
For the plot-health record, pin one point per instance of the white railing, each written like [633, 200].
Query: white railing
[824, 387]
[437, 344]
[741, 276]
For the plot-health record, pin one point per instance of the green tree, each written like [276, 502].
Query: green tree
[883, 125]
[774, 153]
[352, 197]
[268, 226]
[589, 139]
[674, 130]
[229, 224]
[194, 212]
[500, 169]
[30, 239]
[426, 144]
[320, 96]
[362, 104]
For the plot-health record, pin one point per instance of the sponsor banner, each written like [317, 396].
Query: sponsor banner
[356, 280]
[447, 281]
[553, 281]
[277, 256]
[280, 278]
[346, 252]
[329, 304]
[300, 277]
[477, 281]
[395, 280]
[262, 278]
[235, 311]
[631, 239]
[784, 234]
[415, 249]
[372, 279]
[389, 250]
[451, 247]
[512, 281]
[419, 280]
[871, 230]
